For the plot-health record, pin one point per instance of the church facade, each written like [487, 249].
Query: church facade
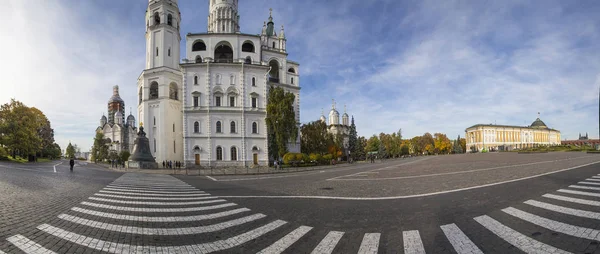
[209, 109]
[335, 127]
[120, 134]
[509, 137]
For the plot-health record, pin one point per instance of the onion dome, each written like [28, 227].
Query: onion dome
[118, 117]
[103, 120]
[130, 118]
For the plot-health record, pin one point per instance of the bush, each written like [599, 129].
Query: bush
[3, 154]
[288, 158]
[313, 157]
[299, 157]
[327, 158]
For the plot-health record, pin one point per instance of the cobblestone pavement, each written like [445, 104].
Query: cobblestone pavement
[93, 211]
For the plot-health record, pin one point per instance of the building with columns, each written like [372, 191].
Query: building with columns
[209, 110]
[509, 137]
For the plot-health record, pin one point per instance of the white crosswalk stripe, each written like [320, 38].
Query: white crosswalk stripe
[515, 238]
[584, 193]
[143, 187]
[174, 194]
[158, 210]
[28, 246]
[155, 191]
[553, 225]
[565, 210]
[328, 243]
[584, 187]
[156, 203]
[200, 248]
[160, 219]
[162, 231]
[370, 243]
[593, 180]
[121, 196]
[461, 243]
[412, 242]
[285, 242]
[589, 183]
[573, 200]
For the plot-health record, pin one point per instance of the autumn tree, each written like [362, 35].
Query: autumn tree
[373, 144]
[463, 144]
[281, 121]
[442, 144]
[427, 143]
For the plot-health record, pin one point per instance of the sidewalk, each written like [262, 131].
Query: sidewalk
[223, 171]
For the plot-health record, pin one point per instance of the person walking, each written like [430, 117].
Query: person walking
[163, 164]
[72, 163]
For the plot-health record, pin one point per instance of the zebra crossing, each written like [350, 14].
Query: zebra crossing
[137, 205]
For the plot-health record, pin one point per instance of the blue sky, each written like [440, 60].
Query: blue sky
[423, 66]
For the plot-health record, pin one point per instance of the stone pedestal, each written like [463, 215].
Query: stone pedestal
[142, 157]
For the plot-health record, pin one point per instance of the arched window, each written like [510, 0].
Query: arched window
[273, 44]
[173, 127]
[232, 127]
[223, 54]
[253, 81]
[196, 127]
[140, 95]
[155, 145]
[198, 59]
[218, 79]
[233, 153]
[232, 80]
[218, 126]
[195, 80]
[154, 90]
[156, 18]
[219, 153]
[173, 91]
[248, 60]
[292, 80]
[174, 147]
[247, 47]
[199, 46]
[254, 128]
[170, 20]
[156, 51]
[291, 70]
[274, 73]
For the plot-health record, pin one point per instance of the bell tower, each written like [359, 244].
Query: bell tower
[160, 84]
[162, 34]
[223, 16]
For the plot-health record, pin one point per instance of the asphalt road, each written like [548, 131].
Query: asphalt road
[490, 203]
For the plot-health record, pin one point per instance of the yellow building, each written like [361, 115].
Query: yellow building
[507, 137]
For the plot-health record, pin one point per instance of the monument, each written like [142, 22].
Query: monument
[141, 157]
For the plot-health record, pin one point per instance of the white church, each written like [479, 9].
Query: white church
[209, 110]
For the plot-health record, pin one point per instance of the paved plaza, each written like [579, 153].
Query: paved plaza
[474, 203]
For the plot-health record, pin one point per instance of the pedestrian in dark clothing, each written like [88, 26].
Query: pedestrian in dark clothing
[164, 164]
[72, 163]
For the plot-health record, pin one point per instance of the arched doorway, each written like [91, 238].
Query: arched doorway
[223, 54]
[274, 73]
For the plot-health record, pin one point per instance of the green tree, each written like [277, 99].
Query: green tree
[463, 144]
[352, 138]
[19, 129]
[442, 144]
[373, 144]
[100, 148]
[281, 120]
[427, 143]
[45, 132]
[70, 152]
[315, 138]
[359, 150]
[124, 155]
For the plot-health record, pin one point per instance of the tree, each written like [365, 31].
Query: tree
[315, 138]
[281, 120]
[352, 138]
[124, 155]
[359, 149]
[457, 148]
[373, 144]
[100, 148]
[427, 143]
[70, 152]
[442, 144]
[19, 127]
[463, 144]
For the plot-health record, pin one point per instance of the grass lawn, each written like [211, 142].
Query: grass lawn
[44, 160]
[17, 159]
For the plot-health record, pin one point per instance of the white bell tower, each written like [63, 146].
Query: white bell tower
[160, 84]
[223, 16]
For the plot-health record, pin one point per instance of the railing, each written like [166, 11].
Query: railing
[274, 80]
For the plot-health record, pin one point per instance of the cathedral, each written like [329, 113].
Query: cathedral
[209, 109]
[334, 127]
[119, 133]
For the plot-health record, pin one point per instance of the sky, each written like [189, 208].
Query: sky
[420, 66]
